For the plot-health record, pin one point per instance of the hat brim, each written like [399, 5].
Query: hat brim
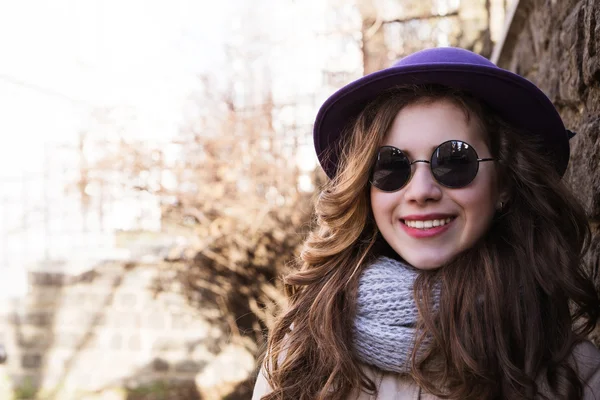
[513, 97]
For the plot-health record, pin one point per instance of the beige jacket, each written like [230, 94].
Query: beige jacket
[392, 386]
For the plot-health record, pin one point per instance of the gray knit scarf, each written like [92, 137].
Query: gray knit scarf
[386, 315]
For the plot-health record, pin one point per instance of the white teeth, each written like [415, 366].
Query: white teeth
[427, 224]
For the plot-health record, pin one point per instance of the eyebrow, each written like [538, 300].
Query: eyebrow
[409, 154]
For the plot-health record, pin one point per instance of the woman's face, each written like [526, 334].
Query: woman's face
[417, 130]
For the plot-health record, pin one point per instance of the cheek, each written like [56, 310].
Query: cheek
[479, 203]
[382, 204]
[479, 208]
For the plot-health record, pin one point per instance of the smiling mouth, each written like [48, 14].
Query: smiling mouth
[427, 224]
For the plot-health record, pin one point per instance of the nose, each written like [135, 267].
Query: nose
[422, 187]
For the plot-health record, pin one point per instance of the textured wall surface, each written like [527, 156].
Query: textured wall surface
[556, 44]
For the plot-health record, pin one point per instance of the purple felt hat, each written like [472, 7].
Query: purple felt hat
[513, 97]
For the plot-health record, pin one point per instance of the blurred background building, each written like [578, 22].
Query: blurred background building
[157, 171]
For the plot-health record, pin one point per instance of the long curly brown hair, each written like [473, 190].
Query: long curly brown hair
[511, 308]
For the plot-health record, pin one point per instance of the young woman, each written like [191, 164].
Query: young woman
[446, 261]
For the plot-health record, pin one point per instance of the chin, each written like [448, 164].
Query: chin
[427, 266]
[427, 263]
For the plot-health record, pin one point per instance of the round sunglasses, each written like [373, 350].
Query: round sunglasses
[454, 164]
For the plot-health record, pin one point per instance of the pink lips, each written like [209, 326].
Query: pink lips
[426, 233]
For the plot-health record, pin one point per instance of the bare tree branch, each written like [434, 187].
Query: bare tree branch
[420, 18]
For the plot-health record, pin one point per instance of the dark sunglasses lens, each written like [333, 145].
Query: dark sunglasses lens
[391, 170]
[454, 164]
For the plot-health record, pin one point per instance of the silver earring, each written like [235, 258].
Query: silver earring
[501, 205]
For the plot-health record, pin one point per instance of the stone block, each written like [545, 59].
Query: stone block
[88, 319]
[134, 343]
[181, 321]
[38, 339]
[539, 28]
[27, 380]
[189, 367]
[583, 174]
[524, 59]
[124, 320]
[47, 296]
[3, 354]
[76, 317]
[33, 318]
[592, 262]
[72, 298]
[165, 344]
[38, 278]
[98, 300]
[160, 365]
[569, 54]
[591, 48]
[155, 321]
[107, 282]
[100, 319]
[116, 342]
[67, 340]
[56, 360]
[126, 300]
[559, 10]
[31, 361]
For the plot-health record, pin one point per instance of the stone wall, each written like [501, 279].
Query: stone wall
[110, 330]
[556, 44]
[394, 28]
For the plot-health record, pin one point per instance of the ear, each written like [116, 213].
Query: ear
[503, 200]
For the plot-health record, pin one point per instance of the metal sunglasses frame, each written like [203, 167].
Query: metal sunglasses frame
[478, 160]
